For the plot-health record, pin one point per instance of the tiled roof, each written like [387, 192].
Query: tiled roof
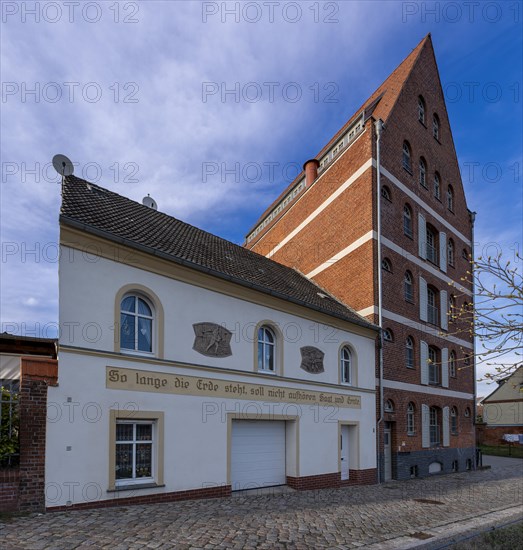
[101, 212]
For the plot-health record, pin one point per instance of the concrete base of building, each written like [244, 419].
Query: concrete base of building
[431, 462]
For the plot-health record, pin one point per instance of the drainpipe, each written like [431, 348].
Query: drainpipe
[473, 256]
[379, 128]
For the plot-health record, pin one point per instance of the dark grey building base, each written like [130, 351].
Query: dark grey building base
[431, 462]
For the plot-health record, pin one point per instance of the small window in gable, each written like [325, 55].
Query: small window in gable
[437, 186]
[422, 172]
[450, 198]
[421, 109]
[406, 157]
[435, 126]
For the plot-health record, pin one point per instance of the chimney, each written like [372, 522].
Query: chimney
[311, 171]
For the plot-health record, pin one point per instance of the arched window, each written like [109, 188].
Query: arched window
[406, 156]
[387, 335]
[421, 109]
[385, 192]
[408, 287]
[136, 324]
[386, 265]
[437, 186]
[422, 172]
[450, 198]
[432, 244]
[452, 364]
[389, 406]
[450, 252]
[432, 305]
[435, 426]
[266, 349]
[434, 366]
[435, 126]
[465, 254]
[346, 365]
[454, 420]
[411, 425]
[407, 220]
[452, 308]
[409, 352]
[467, 412]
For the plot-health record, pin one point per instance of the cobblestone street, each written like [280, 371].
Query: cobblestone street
[406, 514]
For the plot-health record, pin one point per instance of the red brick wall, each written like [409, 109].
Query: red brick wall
[333, 480]
[9, 481]
[493, 435]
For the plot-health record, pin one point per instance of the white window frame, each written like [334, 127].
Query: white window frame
[407, 221]
[422, 172]
[409, 352]
[432, 306]
[138, 296]
[346, 365]
[265, 343]
[408, 287]
[134, 442]
[452, 364]
[434, 427]
[433, 366]
[411, 419]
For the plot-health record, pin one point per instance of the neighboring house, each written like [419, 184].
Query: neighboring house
[503, 411]
[27, 366]
[395, 156]
[192, 367]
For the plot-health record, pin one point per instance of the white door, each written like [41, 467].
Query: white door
[257, 454]
[387, 466]
[344, 452]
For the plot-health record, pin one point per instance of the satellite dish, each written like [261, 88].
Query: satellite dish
[63, 165]
[149, 202]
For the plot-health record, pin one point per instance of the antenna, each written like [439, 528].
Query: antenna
[63, 166]
[149, 202]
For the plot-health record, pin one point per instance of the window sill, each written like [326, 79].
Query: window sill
[407, 169]
[422, 123]
[410, 300]
[409, 235]
[413, 434]
[437, 139]
[134, 486]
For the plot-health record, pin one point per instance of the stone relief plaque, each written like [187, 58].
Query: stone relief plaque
[312, 360]
[212, 340]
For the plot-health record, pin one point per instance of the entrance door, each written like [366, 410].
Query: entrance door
[344, 452]
[387, 459]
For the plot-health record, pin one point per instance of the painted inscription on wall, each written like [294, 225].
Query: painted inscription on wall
[138, 380]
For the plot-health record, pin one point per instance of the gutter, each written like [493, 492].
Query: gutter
[379, 129]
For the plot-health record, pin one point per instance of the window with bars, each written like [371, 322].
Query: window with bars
[134, 451]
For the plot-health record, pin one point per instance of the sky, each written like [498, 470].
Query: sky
[212, 108]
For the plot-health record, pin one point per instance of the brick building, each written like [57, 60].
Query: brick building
[405, 276]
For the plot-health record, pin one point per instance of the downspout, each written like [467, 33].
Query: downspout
[474, 408]
[379, 128]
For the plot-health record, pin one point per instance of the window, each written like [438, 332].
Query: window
[413, 471]
[432, 306]
[406, 157]
[408, 287]
[453, 420]
[433, 366]
[407, 220]
[450, 198]
[450, 252]
[422, 172]
[385, 193]
[266, 349]
[434, 424]
[435, 126]
[452, 364]
[346, 365]
[421, 110]
[409, 352]
[136, 324]
[386, 265]
[432, 245]
[455, 466]
[134, 451]
[468, 464]
[437, 186]
[465, 254]
[387, 335]
[389, 406]
[452, 308]
[411, 426]
[467, 412]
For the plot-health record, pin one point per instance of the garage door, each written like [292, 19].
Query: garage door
[257, 454]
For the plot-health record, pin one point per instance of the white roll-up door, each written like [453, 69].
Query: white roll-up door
[257, 454]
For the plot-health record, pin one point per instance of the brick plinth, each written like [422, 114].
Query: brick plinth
[333, 480]
[209, 492]
[9, 481]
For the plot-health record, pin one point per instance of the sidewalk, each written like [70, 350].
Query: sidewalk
[408, 514]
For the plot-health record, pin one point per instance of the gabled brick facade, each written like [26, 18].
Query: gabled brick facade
[328, 231]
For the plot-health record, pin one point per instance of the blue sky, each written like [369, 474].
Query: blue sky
[132, 92]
